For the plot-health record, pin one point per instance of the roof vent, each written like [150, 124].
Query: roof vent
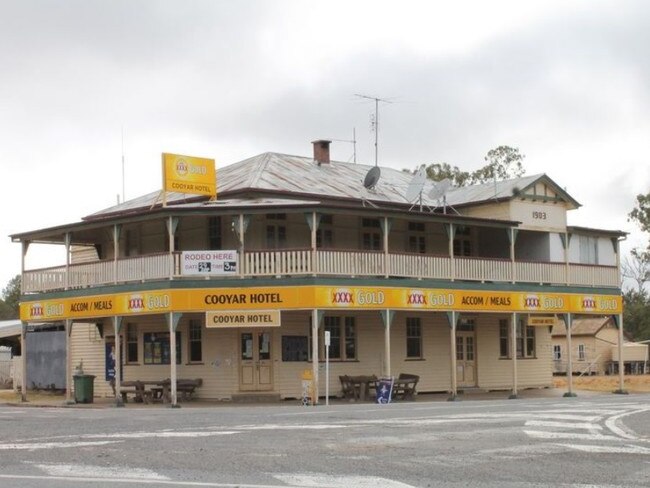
[322, 151]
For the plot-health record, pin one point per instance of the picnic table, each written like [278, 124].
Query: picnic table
[146, 391]
[404, 386]
[357, 387]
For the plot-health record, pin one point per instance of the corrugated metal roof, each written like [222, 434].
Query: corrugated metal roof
[581, 326]
[302, 176]
[10, 328]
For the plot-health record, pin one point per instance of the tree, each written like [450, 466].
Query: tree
[503, 162]
[636, 267]
[9, 305]
[636, 314]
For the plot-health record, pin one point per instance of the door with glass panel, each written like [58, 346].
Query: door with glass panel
[466, 353]
[255, 364]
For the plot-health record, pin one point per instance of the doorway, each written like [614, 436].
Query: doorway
[255, 364]
[466, 353]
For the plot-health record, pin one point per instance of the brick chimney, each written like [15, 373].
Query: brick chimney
[322, 151]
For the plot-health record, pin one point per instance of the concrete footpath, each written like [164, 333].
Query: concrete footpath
[58, 399]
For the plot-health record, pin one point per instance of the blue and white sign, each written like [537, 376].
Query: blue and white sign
[384, 390]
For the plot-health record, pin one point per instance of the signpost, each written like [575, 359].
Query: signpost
[327, 368]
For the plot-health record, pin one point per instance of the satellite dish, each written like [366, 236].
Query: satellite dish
[439, 189]
[372, 177]
[416, 185]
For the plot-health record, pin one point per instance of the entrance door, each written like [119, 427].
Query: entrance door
[255, 365]
[466, 354]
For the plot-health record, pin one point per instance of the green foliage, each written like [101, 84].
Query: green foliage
[9, 304]
[503, 162]
[641, 213]
[636, 314]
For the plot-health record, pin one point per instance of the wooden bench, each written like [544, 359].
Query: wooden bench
[404, 387]
[185, 389]
[136, 389]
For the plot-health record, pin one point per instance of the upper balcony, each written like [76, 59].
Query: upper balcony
[324, 263]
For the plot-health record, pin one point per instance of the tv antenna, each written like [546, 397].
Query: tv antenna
[353, 142]
[375, 120]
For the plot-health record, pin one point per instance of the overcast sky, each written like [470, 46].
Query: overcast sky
[567, 82]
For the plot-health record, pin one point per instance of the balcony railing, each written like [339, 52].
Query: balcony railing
[305, 262]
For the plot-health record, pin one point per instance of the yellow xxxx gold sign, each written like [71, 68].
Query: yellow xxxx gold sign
[188, 174]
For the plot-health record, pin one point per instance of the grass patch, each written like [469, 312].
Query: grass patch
[633, 384]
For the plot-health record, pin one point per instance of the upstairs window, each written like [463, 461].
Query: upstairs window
[371, 234]
[214, 233]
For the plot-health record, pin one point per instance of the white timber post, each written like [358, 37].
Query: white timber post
[387, 317]
[621, 360]
[67, 260]
[68, 363]
[117, 229]
[513, 354]
[117, 326]
[172, 224]
[315, 322]
[452, 318]
[23, 360]
[25, 246]
[173, 319]
[569, 373]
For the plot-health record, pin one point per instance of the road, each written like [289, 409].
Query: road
[572, 442]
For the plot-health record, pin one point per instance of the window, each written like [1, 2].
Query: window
[131, 343]
[525, 339]
[413, 338]
[557, 352]
[276, 231]
[214, 233]
[295, 348]
[157, 350]
[343, 339]
[194, 342]
[416, 237]
[325, 234]
[463, 241]
[371, 235]
[504, 339]
[581, 352]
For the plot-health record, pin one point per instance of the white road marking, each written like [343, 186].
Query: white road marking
[336, 481]
[84, 471]
[51, 445]
[539, 434]
[612, 424]
[136, 481]
[164, 434]
[562, 425]
[609, 449]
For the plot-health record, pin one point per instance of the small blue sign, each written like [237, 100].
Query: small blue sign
[384, 390]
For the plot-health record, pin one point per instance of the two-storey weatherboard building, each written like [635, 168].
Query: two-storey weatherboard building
[461, 287]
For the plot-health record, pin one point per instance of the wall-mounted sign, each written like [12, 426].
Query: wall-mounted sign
[320, 297]
[242, 318]
[187, 174]
[540, 321]
[209, 263]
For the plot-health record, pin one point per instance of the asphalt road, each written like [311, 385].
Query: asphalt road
[573, 442]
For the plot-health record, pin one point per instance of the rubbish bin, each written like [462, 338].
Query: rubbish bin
[83, 388]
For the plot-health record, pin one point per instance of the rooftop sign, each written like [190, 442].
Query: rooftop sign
[187, 174]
